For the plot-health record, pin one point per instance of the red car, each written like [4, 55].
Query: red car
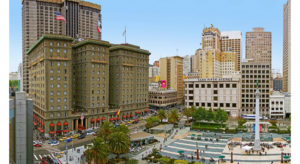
[37, 145]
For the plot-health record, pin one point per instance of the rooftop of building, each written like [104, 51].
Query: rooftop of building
[232, 34]
[211, 29]
[129, 47]
[49, 36]
[81, 2]
[92, 41]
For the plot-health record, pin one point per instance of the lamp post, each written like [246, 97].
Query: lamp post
[281, 161]
[231, 154]
[197, 150]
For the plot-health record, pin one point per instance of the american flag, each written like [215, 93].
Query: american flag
[99, 26]
[59, 17]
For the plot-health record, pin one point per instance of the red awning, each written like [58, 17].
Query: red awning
[58, 124]
[92, 120]
[103, 118]
[124, 116]
[66, 131]
[98, 119]
[131, 115]
[34, 123]
[52, 132]
[58, 131]
[66, 123]
[42, 131]
[51, 124]
[111, 119]
[146, 110]
[43, 123]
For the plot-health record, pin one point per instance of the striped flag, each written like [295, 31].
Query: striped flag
[59, 17]
[99, 27]
[124, 33]
[118, 112]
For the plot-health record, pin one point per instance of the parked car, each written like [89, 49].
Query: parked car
[74, 136]
[62, 139]
[51, 141]
[54, 143]
[37, 145]
[83, 135]
[37, 142]
[90, 132]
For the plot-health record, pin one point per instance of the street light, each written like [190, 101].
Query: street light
[197, 150]
[231, 154]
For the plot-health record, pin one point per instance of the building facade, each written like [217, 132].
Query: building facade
[20, 129]
[187, 65]
[277, 105]
[232, 41]
[259, 45]
[253, 72]
[171, 70]
[214, 93]
[162, 98]
[39, 17]
[277, 84]
[286, 67]
[128, 79]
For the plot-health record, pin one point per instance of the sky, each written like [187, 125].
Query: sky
[171, 27]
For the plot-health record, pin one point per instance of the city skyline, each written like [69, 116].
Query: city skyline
[159, 30]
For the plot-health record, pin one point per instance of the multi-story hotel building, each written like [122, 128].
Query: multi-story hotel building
[50, 77]
[78, 85]
[211, 38]
[277, 110]
[128, 79]
[259, 46]
[90, 82]
[286, 67]
[232, 41]
[214, 93]
[171, 70]
[162, 98]
[253, 72]
[39, 17]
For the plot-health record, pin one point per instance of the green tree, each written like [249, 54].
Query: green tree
[173, 116]
[241, 122]
[151, 121]
[161, 114]
[188, 112]
[210, 115]
[98, 152]
[118, 143]
[105, 130]
[221, 116]
[199, 114]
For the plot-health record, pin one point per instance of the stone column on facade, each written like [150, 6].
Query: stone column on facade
[257, 128]
[76, 124]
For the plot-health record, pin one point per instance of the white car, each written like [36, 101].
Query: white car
[54, 143]
[90, 133]
[37, 142]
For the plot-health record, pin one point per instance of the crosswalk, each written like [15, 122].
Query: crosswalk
[38, 157]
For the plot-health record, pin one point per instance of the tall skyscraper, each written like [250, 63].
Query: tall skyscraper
[20, 129]
[286, 68]
[254, 73]
[232, 41]
[171, 70]
[39, 17]
[220, 53]
[259, 46]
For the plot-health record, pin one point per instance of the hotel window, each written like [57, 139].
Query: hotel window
[220, 85]
[65, 107]
[51, 70]
[215, 104]
[227, 104]
[58, 93]
[208, 86]
[233, 104]
[51, 100]
[51, 115]
[58, 99]
[58, 64]
[221, 105]
[58, 85]
[51, 107]
[51, 43]
[51, 85]
[58, 50]
[233, 85]
[58, 77]
[227, 85]
[209, 104]
[65, 44]
[65, 92]
[215, 85]
[65, 51]
[51, 50]
[58, 107]
[65, 85]
[58, 114]
[51, 78]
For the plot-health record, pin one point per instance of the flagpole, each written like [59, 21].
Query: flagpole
[125, 34]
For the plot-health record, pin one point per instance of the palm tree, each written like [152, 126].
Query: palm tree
[105, 130]
[151, 121]
[98, 152]
[173, 116]
[118, 143]
[161, 114]
[121, 128]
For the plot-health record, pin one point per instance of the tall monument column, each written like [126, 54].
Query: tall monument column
[257, 138]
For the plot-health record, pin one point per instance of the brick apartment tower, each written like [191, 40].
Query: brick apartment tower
[39, 17]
